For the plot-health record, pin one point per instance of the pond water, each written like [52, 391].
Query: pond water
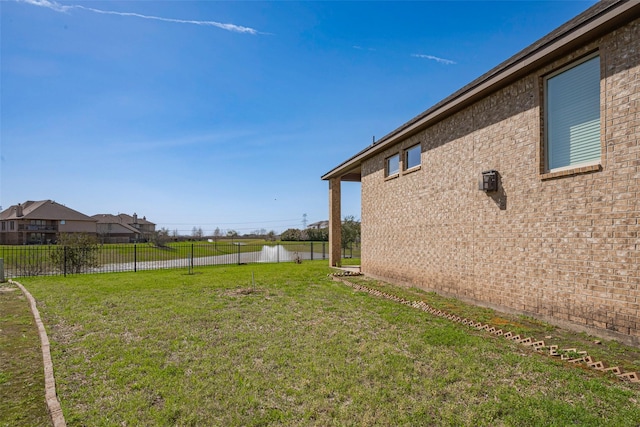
[275, 254]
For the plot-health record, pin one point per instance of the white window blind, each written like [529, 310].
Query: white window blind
[573, 116]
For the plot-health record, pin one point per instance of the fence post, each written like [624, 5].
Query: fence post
[64, 255]
[311, 251]
[324, 256]
[135, 258]
[191, 262]
[238, 253]
[1, 270]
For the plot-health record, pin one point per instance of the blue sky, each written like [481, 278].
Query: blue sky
[225, 114]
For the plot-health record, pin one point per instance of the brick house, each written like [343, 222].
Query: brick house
[123, 228]
[40, 222]
[521, 191]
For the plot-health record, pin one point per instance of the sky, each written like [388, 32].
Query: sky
[216, 114]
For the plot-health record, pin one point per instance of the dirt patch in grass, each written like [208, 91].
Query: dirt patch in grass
[244, 291]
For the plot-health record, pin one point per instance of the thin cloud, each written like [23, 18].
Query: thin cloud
[434, 58]
[362, 48]
[66, 8]
[48, 4]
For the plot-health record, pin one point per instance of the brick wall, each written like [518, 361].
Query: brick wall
[564, 247]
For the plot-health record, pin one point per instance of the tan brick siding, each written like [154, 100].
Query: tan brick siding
[564, 247]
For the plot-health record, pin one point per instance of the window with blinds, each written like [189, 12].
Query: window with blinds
[572, 115]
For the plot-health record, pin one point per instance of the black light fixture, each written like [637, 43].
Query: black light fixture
[488, 181]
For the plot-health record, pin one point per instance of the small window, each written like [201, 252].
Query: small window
[11, 225]
[412, 157]
[392, 166]
[572, 116]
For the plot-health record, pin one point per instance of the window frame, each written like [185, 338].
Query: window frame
[387, 171]
[569, 169]
[405, 158]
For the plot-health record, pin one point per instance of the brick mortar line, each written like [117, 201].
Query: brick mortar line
[529, 342]
[53, 404]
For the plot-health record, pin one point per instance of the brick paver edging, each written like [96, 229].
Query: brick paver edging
[570, 354]
[53, 404]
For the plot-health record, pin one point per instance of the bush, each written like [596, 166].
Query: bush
[291, 235]
[308, 235]
[76, 252]
[318, 235]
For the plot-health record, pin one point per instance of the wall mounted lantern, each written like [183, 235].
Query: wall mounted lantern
[488, 181]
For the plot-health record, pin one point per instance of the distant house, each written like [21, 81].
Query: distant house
[40, 222]
[123, 228]
[319, 225]
[520, 191]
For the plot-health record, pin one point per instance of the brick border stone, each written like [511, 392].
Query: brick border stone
[53, 404]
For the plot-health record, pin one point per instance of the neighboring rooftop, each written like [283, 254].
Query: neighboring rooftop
[121, 219]
[43, 209]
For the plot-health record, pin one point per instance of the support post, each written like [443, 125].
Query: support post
[191, 261]
[1, 270]
[335, 223]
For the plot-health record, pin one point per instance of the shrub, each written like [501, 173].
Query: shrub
[76, 252]
[292, 235]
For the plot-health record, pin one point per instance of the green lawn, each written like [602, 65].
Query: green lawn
[37, 259]
[21, 371]
[295, 348]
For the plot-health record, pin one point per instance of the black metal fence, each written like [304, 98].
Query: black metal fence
[22, 261]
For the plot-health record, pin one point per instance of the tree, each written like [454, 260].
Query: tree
[197, 233]
[160, 238]
[350, 231]
[271, 236]
[76, 252]
[232, 234]
[318, 234]
[216, 235]
[291, 235]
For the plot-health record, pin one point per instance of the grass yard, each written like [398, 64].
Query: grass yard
[21, 373]
[36, 260]
[168, 348]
